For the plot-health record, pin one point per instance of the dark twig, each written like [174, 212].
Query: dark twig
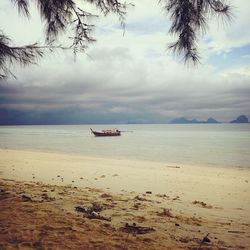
[205, 239]
[134, 229]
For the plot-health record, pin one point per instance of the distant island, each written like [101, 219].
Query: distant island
[184, 120]
[240, 119]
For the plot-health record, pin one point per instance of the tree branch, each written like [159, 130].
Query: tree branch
[189, 19]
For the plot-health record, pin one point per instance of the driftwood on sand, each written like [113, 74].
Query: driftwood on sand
[134, 229]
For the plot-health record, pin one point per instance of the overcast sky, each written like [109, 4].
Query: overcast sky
[131, 77]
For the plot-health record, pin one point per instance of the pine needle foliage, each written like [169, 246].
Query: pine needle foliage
[188, 18]
[58, 16]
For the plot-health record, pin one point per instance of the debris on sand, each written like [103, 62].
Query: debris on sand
[95, 215]
[236, 232]
[93, 212]
[162, 196]
[4, 195]
[165, 213]
[96, 207]
[26, 198]
[173, 166]
[136, 205]
[45, 197]
[134, 229]
[80, 209]
[202, 204]
[105, 195]
[204, 240]
[137, 197]
[176, 198]
[89, 218]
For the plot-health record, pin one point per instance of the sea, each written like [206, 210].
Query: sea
[188, 144]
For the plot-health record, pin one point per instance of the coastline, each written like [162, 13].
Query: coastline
[199, 200]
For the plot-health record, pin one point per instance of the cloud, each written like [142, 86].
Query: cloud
[130, 78]
[125, 92]
[223, 36]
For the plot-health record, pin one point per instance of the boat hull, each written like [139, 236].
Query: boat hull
[116, 133]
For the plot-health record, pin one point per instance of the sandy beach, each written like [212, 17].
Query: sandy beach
[59, 201]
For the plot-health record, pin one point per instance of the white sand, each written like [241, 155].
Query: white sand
[222, 204]
[226, 189]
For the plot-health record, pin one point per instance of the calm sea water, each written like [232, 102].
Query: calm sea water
[201, 144]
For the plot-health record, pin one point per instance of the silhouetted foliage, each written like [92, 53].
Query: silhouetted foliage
[188, 17]
[23, 55]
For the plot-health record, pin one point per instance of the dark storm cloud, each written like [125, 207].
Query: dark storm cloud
[127, 78]
[80, 102]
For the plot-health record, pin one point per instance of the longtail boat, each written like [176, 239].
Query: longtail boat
[110, 132]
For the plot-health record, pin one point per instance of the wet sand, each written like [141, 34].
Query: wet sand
[181, 204]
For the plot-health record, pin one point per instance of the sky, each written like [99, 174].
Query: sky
[129, 77]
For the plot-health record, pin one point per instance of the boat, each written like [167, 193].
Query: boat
[109, 132]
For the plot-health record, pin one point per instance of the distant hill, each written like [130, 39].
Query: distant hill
[211, 120]
[184, 120]
[240, 119]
